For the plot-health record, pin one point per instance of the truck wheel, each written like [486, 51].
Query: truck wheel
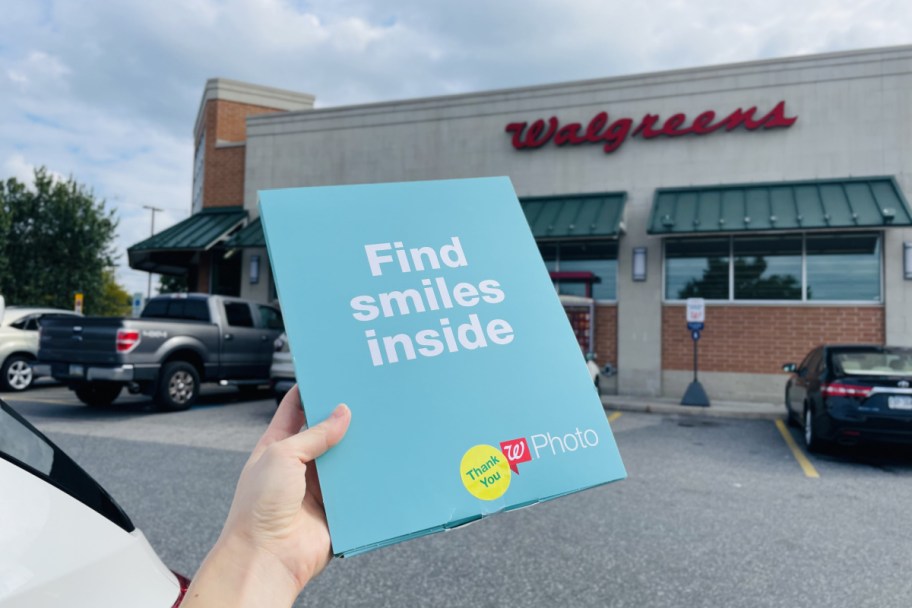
[178, 387]
[16, 374]
[98, 394]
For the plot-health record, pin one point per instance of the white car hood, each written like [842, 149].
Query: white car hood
[55, 551]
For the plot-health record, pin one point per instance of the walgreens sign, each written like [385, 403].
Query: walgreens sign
[611, 135]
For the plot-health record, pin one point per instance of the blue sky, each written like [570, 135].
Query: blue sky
[107, 91]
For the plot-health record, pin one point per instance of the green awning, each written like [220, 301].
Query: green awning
[872, 202]
[576, 217]
[176, 249]
[250, 235]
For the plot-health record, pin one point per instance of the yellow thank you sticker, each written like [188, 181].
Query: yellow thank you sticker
[485, 472]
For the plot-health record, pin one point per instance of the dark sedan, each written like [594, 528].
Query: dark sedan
[851, 393]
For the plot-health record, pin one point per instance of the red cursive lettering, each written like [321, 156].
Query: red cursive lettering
[612, 136]
[536, 136]
[569, 134]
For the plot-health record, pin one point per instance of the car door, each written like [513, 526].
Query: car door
[242, 342]
[272, 325]
[803, 375]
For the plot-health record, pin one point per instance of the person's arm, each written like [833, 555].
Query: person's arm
[276, 538]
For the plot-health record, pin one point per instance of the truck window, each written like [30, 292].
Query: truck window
[238, 314]
[167, 308]
[271, 318]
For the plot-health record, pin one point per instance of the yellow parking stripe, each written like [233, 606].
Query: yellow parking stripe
[803, 462]
[614, 416]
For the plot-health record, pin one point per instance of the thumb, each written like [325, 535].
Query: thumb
[316, 440]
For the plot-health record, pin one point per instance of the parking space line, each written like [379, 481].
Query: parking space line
[803, 462]
[614, 416]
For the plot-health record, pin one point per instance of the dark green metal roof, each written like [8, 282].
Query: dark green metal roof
[579, 216]
[199, 231]
[596, 215]
[176, 249]
[250, 235]
[806, 205]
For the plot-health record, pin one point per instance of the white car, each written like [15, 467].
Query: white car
[19, 344]
[281, 373]
[63, 540]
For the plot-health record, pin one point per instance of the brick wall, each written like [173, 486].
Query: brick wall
[225, 123]
[606, 334]
[224, 176]
[759, 339]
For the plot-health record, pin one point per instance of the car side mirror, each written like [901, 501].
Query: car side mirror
[790, 367]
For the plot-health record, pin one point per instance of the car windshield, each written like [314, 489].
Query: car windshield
[23, 445]
[884, 362]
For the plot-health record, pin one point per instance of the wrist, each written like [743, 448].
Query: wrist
[238, 574]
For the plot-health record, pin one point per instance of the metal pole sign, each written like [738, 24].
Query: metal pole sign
[696, 318]
[137, 304]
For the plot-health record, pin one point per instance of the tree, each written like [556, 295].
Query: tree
[114, 301]
[176, 283]
[56, 239]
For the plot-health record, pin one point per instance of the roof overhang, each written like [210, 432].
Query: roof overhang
[581, 216]
[250, 235]
[176, 249]
[834, 204]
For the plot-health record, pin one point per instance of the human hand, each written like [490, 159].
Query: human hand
[276, 538]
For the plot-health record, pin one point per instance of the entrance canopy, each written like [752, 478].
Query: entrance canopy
[250, 235]
[872, 202]
[177, 249]
[582, 216]
[565, 217]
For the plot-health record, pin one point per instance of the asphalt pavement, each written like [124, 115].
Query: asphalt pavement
[716, 512]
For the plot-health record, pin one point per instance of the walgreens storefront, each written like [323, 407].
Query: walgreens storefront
[775, 190]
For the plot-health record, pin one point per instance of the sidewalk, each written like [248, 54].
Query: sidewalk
[724, 409]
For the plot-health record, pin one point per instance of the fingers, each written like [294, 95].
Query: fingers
[315, 441]
[287, 421]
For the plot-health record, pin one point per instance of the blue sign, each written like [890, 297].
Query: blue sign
[695, 326]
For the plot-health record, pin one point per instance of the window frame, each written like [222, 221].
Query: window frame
[557, 243]
[238, 305]
[879, 234]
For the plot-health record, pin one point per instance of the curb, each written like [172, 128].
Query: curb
[713, 411]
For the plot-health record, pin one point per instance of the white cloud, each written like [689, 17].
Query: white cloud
[107, 91]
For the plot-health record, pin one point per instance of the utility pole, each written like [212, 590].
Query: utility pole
[151, 233]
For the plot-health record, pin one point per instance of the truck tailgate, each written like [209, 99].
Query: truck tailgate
[87, 340]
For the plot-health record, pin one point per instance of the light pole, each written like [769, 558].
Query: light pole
[151, 233]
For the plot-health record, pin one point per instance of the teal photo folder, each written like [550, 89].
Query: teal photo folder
[427, 308]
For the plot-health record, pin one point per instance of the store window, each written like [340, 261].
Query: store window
[843, 267]
[697, 268]
[767, 268]
[587, 268]
[819, 267]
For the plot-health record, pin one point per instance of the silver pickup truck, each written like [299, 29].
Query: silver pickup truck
[179, 341]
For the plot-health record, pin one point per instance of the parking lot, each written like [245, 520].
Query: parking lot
[715, 512]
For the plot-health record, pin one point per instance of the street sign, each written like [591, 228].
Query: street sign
[696, 310]
[77, 303]
[696, 315]
[137, 304]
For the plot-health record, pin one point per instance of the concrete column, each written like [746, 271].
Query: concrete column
[639, 305]
[897, 290]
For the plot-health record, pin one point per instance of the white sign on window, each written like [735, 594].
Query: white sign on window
[696, 310]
